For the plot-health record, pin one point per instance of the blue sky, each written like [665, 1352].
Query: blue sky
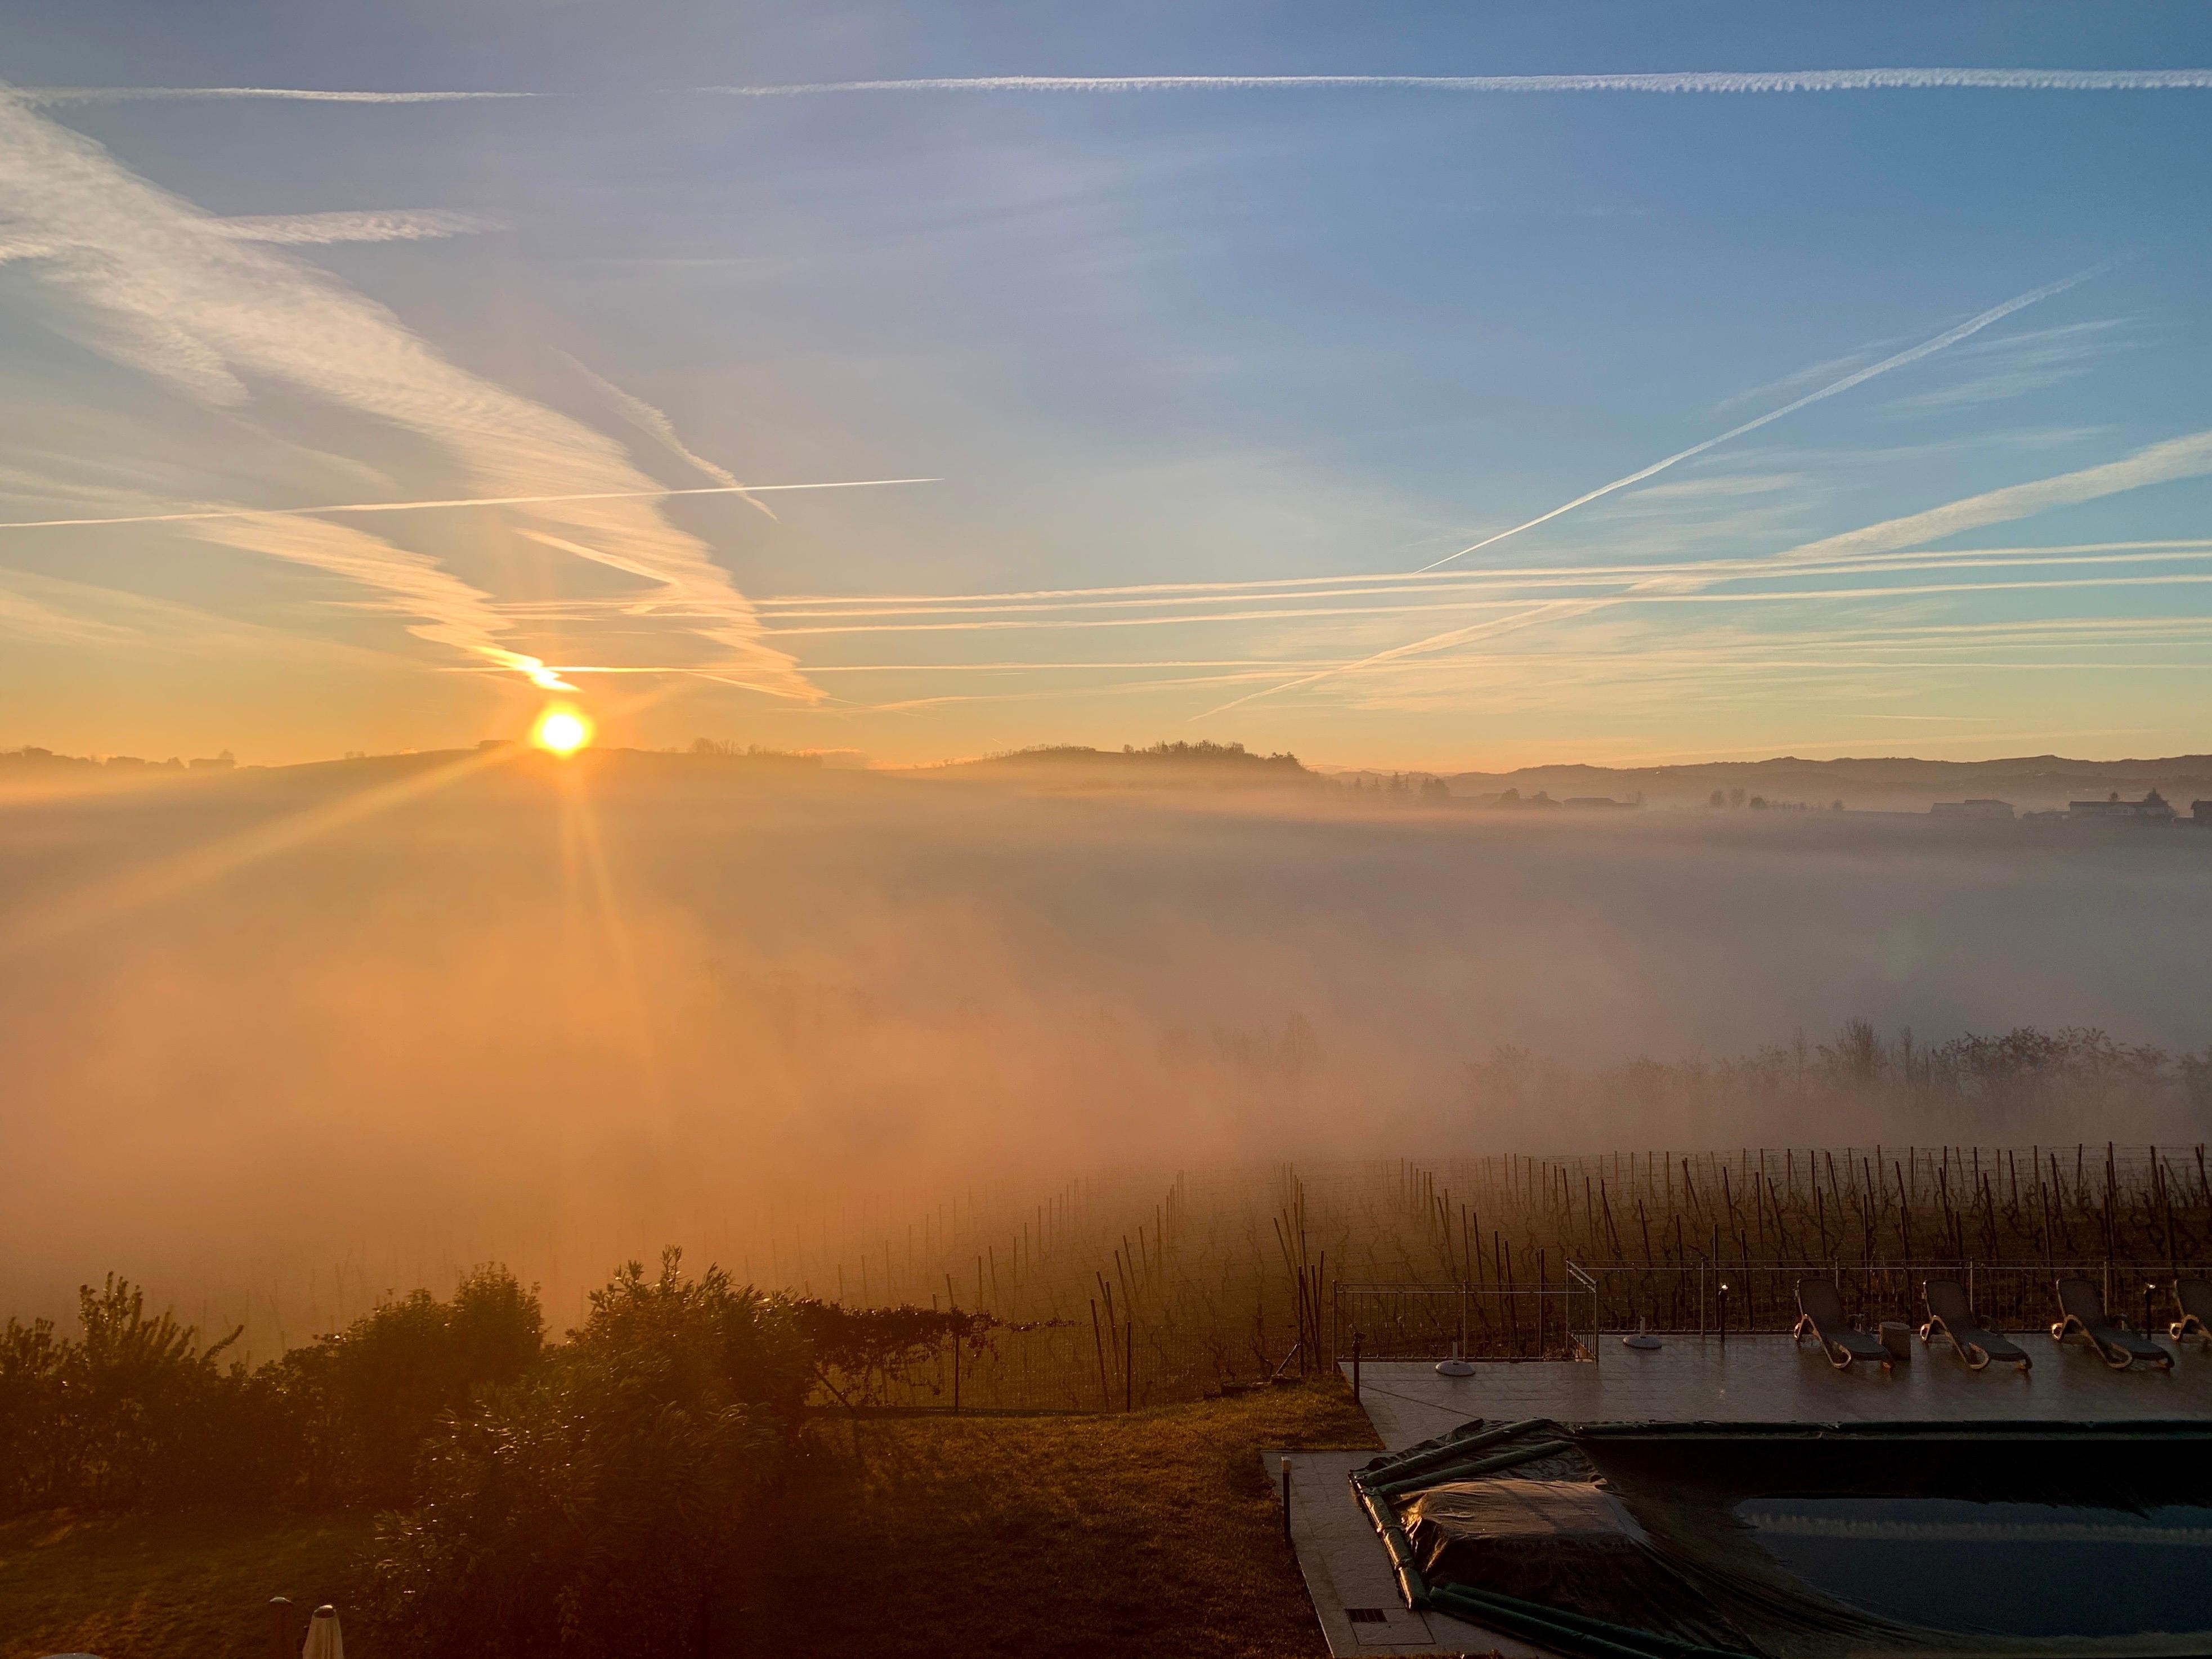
[1217, 336]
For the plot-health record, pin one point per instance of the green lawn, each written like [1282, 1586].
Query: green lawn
[1155, 1533]
[193, 1585]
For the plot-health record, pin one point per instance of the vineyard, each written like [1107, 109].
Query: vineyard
[1116, 1293]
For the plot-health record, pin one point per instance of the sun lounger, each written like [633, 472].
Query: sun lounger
[2194, 1298]
[1821, 1311]
[2081, 1307]
[1950, 1314]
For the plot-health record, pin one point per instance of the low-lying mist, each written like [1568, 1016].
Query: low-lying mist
[273, 1054]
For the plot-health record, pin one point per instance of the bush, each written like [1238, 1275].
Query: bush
[360, 1403]
[583, 1512]
[134, 1412]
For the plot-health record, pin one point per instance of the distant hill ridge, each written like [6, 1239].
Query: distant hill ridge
[2028, 780]
[1213, 762]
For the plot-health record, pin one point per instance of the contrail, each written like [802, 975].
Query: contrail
[52, 96]
[1676, 82]
[1863, 80]
[1913, 354]
[473, 500]
[643, 415]
[2185, 457]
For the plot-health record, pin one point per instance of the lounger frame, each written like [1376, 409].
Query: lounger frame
[1966, 1336]
[1839, 1353]
[2114, 1344]
[2193, 1297]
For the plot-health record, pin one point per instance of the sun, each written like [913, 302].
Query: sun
[561, 730]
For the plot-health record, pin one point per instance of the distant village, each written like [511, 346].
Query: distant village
[2152, 810]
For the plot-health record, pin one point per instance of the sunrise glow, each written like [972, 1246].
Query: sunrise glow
[561, 730]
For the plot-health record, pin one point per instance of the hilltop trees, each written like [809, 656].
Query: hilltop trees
[2026, 1083]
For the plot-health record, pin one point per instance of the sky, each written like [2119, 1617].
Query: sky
[1100, 407]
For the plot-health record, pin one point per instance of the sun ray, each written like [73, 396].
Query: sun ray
[134, 889]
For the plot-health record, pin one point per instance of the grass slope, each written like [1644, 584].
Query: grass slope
[191, 1585]
[1157, 1533]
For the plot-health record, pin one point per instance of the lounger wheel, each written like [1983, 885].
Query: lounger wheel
[2026, 1364]
[1976, 1356]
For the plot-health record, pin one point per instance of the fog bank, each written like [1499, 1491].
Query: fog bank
[256, 1034]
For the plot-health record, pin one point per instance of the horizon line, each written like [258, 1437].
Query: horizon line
[26, 751]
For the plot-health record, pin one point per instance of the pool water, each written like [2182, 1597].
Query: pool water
[2012, 1569]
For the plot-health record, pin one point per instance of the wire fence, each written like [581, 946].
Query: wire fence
[1117, 1293]
[1434, 1321]
[1559, 1321]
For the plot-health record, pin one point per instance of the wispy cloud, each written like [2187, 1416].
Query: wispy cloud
[1859, 377]
[447, 610]
[324, 229]
[1694, 81]
[24, 617]
[38, 606]
[2021, 363]
[151, 281]
[299, 230]
[2187, 457]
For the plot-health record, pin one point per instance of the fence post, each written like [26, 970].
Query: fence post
[1098, 1343]
[1286, 1501]
[280, 1629]
[956, 1374]
[1355, 1367]
[1129, 1366]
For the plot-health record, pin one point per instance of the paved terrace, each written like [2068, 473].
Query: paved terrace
[1752, 1379]
[1767, 1379]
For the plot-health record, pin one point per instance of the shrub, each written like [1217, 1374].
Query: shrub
[359, 1403]
[133, 1411]
[583, 1512]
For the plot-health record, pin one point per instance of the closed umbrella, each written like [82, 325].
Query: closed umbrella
[324, 1641]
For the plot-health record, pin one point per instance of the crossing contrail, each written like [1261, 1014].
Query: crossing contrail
[1676, 82]
[52, 96]
[1859, 377]
[473, 500]
[1693, 80]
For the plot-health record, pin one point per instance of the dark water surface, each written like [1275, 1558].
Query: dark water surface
[2007, 1568]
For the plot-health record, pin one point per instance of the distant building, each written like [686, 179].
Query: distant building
[1598, 803]
[2051, 814]
[2151, 809]
[1973, 809]
[2200, 812]
[222, 762]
